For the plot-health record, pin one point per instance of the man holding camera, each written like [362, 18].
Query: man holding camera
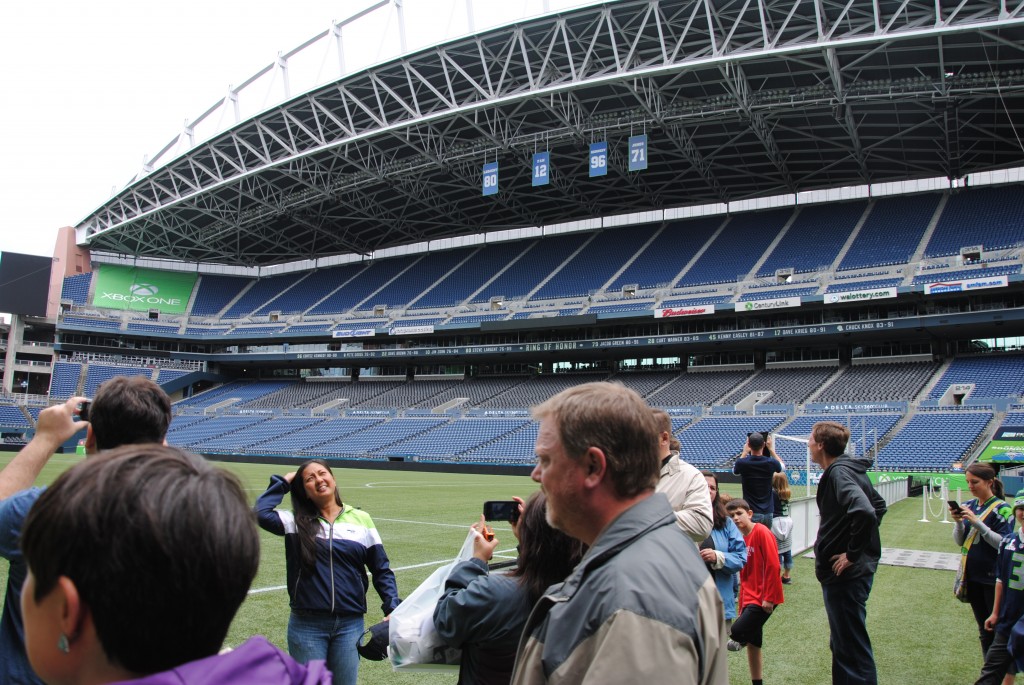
[755, 467]
[126, 410]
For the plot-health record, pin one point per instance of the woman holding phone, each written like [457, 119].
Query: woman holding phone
[981, 524]
[484, 613]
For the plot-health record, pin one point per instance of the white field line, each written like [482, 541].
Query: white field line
[504, 553]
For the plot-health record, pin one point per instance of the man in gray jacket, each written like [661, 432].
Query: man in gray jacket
[683, 484]
[641, 603]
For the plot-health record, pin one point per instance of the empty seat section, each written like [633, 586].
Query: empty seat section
[524, 275]
[379, 438]
[262, 292]
[366, 282]
[991, 376]
[786, 385]
[696, 387]
[892, 231]
[472, 274]
[410, 394]
[193, 436]
[12, 417]
[659, 264]
[247, 441]
[451, 439]
[76, 288]
[879, 382]
[214, 293]
[64, 380]
[933, 441]
[537, 389]
[516, 447]
[992, 217]
[419, 277]
[300, 442]
[737, 248]
[597, 262]
[645, 382]
[815, 237]
[311, 290]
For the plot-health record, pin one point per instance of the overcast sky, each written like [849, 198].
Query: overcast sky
[90, 88]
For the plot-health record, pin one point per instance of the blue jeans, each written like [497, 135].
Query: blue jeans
[853, 661]
[765, 519]
[331, 638]
[786, 559]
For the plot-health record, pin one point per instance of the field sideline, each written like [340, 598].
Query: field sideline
[920, 633]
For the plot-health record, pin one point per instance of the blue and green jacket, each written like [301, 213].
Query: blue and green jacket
[345, 549]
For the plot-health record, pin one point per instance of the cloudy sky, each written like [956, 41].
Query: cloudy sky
[92, 88]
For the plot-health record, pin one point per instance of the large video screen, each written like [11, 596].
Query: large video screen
[24, 283]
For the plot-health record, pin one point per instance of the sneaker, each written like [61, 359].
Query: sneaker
[787, 581]
[734, 646]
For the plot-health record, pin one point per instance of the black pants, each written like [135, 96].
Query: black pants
[981, 598]
[853, 661]
[997, 662]
[749, 627]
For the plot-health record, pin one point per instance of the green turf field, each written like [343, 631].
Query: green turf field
[920, 633]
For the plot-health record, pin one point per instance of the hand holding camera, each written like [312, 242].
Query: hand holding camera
[484, 542]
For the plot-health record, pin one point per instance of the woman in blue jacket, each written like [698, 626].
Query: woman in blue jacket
[328, 548]
[725, 551]
[484, 613]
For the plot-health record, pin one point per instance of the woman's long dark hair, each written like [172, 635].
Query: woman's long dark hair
[718, 514]
[986, 472]
[546, 556]
[307, 514]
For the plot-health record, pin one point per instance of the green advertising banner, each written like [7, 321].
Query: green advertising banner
[121, 287]
[1006, 447]
[953, 480]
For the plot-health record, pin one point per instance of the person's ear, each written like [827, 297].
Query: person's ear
[596, 465]
[90, 439]
[73, 612]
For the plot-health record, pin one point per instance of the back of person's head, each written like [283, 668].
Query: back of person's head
[546, 555]
[832, 436]
[756, 441]
[737, 503]
[307, 513]
[987, 473]
[718, 514]
[160, 545]
[615, 419]
[129, 410]
[663, 420]
[1018, 501]
[780, 483]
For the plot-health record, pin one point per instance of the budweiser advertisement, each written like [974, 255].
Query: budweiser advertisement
[696, 310]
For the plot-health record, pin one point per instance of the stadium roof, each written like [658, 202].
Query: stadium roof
[738, 99]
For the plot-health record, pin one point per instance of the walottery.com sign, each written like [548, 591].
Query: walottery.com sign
[121, 287]
[1007, 446]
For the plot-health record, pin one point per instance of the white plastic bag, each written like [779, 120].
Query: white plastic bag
[414, 643]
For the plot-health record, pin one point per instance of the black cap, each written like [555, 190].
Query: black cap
[376, 646]
[756, 440]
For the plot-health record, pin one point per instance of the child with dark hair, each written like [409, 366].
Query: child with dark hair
[760, 587]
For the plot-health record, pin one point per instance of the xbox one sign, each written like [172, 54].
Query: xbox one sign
[120, 287]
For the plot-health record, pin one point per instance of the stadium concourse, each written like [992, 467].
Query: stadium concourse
[756, 216]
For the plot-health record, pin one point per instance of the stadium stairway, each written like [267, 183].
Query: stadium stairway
[925, 239]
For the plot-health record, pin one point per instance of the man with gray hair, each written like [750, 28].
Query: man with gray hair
[641, 603]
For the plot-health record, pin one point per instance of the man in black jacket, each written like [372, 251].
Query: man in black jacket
[846, 551]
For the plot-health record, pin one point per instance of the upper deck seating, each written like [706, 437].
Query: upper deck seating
[815, 237]
[724, 261]
[891, 232]
[661, 261]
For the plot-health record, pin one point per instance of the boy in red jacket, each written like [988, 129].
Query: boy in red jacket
[760, 586]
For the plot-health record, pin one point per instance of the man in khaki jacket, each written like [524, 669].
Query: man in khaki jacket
[641, 604]
[685, 486]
